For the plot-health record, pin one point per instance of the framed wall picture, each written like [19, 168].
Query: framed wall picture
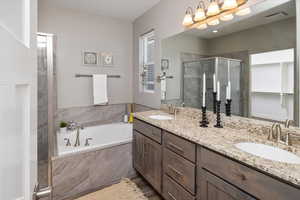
[90, 58]
[164, 64]
[107, 59]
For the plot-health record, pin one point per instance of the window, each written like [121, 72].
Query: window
[147, 65]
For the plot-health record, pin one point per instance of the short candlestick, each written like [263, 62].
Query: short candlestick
[228, 107]
[204, 120]
[218, 125]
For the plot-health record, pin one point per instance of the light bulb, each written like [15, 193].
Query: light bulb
[213, 9]
[226, 17]
[244, 11]
[202, 26]
[213, 22]
[188, 19]
[229, 4]
[199, 14]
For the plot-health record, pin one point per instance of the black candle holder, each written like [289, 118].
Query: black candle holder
[228, 107]
[215, 102]
[218, 125]
[204, 120]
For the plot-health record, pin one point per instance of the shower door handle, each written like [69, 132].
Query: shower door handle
[41, 193]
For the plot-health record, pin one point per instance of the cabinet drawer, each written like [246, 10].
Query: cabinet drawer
[180, 169]
[148, 130]
[173, 191]
[180, 146]
[215, 188]
[254, 182]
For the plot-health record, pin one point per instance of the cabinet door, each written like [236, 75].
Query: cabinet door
[153, 163]
[138, 152]
[214, 188]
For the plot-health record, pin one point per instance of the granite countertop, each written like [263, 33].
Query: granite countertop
[222, 140]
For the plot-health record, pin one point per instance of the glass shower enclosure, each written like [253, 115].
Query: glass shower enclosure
[225, 69]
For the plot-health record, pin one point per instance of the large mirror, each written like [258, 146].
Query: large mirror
[253, 55]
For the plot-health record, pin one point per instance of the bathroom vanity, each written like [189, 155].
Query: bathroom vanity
[185, 162]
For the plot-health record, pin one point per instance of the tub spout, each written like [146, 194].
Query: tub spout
[77, 141]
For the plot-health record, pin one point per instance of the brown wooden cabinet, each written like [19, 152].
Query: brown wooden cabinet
[138, 152]
[191, 171]
[153, 163]
[147, 159]
[214, 188]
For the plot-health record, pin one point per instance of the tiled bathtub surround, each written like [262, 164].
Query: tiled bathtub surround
[92, 115]
[236, 129]
[81, 173]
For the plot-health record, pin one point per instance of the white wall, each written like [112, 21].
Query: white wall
[274, 36]
[76, 32]
[171, 49]
[165, 18]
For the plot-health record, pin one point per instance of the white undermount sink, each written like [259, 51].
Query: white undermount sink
[161, 117]
[269, 152]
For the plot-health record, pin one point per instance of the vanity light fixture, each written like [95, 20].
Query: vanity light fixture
[229, 4]
[227, 17]
[244, 11]
[215, 31]
[188, 18]
[200, 12]
[213, 8]
[202, 26]
[214, 22]
[215, 12]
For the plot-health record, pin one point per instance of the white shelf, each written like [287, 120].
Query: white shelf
[272, 92]
[275, 64]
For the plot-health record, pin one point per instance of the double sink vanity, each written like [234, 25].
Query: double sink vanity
[183, 161]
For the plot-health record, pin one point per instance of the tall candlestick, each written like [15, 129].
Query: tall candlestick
[218, 91]
[229, 90]
[214, 85]
[204, 90]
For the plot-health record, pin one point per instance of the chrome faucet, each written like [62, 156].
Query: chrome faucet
[77, 141]
[288, 123]
[173, 110]
[276, 133]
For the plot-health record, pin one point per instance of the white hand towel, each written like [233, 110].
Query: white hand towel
[163, 86]
[100, 89]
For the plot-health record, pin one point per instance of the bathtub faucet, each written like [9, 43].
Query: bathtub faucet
[77, 141]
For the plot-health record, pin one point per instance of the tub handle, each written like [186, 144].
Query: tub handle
[68, 142]
[87, 141]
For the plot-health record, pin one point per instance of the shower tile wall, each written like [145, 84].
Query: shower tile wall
[245, 80]
[193, 72]
[42, 105]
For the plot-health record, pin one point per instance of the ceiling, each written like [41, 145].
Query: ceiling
[126, 10]
[256, 18]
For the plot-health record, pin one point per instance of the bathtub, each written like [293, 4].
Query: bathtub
[80, 170]
[102, 136]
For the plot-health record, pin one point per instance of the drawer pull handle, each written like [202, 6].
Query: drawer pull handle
[175, 147]
[242, 176]
[171, 196]
[175, 171]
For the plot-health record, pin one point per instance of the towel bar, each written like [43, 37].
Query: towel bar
[90, 76]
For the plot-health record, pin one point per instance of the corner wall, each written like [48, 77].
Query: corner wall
[76, 32]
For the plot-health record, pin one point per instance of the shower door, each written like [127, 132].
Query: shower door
[46, 107]
[225, 69]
